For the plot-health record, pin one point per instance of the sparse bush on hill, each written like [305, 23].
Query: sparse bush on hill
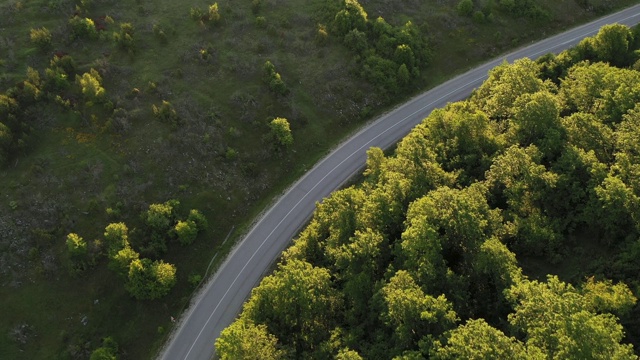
[124, 39]
[82, 28]
[281, 132]
[41, 37]
[273, 79]
[165, 112]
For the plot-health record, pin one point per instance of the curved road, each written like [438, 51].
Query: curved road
[220, 302]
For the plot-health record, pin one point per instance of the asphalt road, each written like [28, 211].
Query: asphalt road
[221, 300]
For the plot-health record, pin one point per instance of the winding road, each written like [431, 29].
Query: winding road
[221, 300]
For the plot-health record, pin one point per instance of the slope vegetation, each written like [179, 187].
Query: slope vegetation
[504, 226]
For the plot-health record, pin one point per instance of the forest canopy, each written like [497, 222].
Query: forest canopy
[430, 255]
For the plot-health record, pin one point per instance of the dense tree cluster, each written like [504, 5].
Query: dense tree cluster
[389, 56]
[420, 260]
[145, 279]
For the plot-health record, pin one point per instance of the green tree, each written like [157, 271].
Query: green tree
[412, 313]
[477, 340]
[91, 86]
[612, 44]
[121, 261]
[587, 132]
[167, 113]
[198, 218]
[108, 350]
[6, 139]
[149, 280]
[281, 132]
[82, 27]
[348, 354]
[214, 13]
[351, 17]
[116, 237]
[506, 82]
[40, 37]
[356, 40]
[160, 217]
[76, 245]
[244, 340]
[124, 38]
[464, 140]
[536, 121]
[306, 304]
[465, 7]
[564, 324]
[187, 231]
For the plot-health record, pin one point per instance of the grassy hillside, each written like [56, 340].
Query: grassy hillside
[70, 161]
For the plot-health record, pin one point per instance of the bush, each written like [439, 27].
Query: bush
[322, 35]
[158, 31]
[91, 86]
[196, 13]
[166, 112]
[465, 7]
[124, 39]
[479, 17]
[256, 5]
[187, 231]
[82, 28]
[76, 245]
[40, 37]
[214, 13]
[281, 132]
[198, 219]
[273, 79]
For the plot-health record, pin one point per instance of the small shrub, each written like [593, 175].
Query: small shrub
[322, 35]
[76, 245]
[261, 22]
[465, 7]
[198, 219]
[159, 32]
[64, 62]
[281, 132]
[196, 13]
[124, 39]
[187, 231]
[40, 37]
[273, 79]
[256, 5]
[479, 17]
[166, 112]
[56, 79]
[82, 28]
[214, 13]
[194, 280]
[231, 154]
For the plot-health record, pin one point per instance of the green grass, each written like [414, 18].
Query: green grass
[75, 168]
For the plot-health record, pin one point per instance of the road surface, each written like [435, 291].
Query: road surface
[220, 302]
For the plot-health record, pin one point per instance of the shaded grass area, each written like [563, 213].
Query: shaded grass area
[76, 166]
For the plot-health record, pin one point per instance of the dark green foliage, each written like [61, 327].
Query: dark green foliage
[82, 28]
[124, 38]
[148, 280]
[465, 7]
[281, 132]
[421, 260]
[382, 48]
[166, 112]
[273, 79]
[108, 350]
[40, 37]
